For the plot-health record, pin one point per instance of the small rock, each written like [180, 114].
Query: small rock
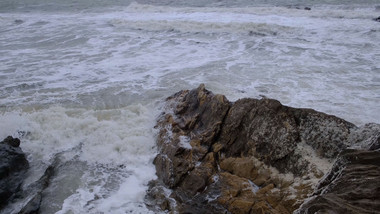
[19, 21]
[377, 19]
[15, 142]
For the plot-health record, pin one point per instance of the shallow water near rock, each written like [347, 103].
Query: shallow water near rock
[95, 73]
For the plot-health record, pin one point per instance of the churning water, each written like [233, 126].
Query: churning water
[82, 82]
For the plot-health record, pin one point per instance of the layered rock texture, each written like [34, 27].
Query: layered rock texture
[258, 156]
[352, 186]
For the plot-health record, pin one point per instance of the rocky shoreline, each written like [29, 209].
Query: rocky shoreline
[258, 156]
[249, 156]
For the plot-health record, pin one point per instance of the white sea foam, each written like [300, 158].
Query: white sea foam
[284, 53]
[107, 135]
[184, 142]
[319, 11]
[95, 79]
[116, 145]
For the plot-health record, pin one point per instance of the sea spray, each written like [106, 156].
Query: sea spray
[93, 74]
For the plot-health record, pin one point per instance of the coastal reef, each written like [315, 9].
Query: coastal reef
[259, 156]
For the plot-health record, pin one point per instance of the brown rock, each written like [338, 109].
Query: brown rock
[243, 167]
[262, 207]
[250, 156]
[239, 206]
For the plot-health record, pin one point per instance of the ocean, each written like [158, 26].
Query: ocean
[83, 81]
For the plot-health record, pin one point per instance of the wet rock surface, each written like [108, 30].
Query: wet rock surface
[248, 156]
[23, 196]
[352, 185]
[13, 166]
[39, 195]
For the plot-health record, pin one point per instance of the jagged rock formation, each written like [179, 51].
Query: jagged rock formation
[37, 196]
[13, 166]
[352, 185]
[250, 156]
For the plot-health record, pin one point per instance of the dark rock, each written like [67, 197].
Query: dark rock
[298, 7]
[156, 197]
[33, 206]
[377, 19]
[29, 199]
[40, 196]
[250, 156]
[352, 185]
[19, 21]
[15, 142]
[13, 166]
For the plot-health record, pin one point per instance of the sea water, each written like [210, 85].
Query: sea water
[83, 81]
